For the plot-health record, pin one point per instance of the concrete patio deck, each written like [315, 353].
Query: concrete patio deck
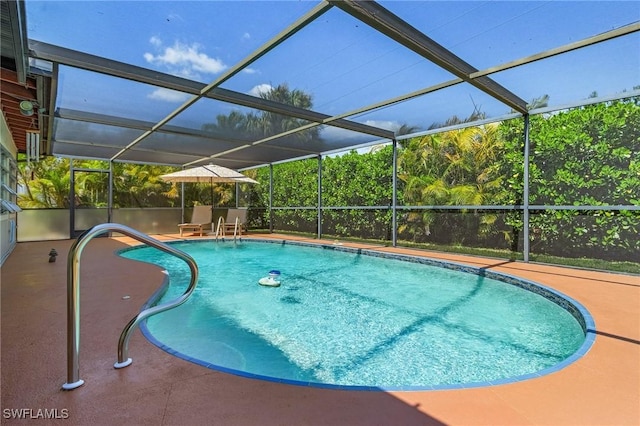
[601, 388]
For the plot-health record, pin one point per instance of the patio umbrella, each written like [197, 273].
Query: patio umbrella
[210, 173]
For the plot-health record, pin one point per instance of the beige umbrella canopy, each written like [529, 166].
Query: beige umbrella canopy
[207, 174]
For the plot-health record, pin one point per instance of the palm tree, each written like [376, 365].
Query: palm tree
[264, 123]
[139, 185]
[456, 167]
[270, 123]
[540, 102]
[227, 124]
[45, 183]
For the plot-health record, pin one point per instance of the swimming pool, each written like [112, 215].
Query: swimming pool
[353, 319]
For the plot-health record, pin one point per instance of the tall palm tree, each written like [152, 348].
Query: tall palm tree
[264, 123]
[270, 123]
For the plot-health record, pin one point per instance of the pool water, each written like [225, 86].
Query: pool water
[347, 319]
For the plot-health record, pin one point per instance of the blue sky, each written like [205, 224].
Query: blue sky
[341, 62]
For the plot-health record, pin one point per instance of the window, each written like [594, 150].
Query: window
[8, 175]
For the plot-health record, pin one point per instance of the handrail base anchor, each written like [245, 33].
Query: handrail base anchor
[123, 364]
[71, 386]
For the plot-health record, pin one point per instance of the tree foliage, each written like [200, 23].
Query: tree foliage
[295, 184]
[456, 167]
[588, 156]
[47, 184]
[44, 184]
[355, 179]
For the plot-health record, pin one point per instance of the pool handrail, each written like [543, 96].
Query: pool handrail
[220, 227]
[73, 297]
[235, 228]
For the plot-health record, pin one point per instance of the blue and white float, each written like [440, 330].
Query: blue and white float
[273, 280]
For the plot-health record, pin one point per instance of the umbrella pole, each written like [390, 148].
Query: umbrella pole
[211, 186]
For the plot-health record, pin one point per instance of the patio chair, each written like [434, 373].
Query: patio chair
[235, 217]
[200, 219]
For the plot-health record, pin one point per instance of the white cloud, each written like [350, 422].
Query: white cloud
[183, 60]
[168, 95]
[246, 36]
[260, 88]
[249, 71]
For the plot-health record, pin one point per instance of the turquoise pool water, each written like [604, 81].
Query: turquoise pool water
[348, 319]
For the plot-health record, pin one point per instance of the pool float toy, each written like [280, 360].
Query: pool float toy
[272, 280]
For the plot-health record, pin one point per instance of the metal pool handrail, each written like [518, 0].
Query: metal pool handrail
[73, 297]
[220, 227]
